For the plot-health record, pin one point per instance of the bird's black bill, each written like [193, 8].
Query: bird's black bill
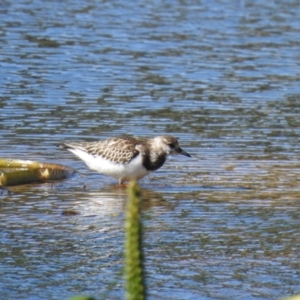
[182, 152]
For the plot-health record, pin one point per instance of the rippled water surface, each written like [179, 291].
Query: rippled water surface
[223, 76]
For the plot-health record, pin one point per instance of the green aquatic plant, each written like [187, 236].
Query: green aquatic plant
[134, 268]
[17, 172]
[82, 298]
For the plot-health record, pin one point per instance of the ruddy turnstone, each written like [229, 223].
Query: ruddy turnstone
[126, 157]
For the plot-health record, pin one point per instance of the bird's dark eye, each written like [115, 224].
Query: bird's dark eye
[172, 145]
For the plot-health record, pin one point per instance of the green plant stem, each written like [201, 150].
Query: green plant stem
[134, 269]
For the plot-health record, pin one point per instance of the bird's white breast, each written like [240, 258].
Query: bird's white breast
[133, 170]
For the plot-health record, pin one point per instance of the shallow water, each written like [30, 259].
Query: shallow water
[223, 77]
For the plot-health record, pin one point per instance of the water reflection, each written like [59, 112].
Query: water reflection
[111, 201]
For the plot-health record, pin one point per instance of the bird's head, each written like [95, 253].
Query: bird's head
[170, 145]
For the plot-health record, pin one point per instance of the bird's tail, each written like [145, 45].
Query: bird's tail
[65, 146]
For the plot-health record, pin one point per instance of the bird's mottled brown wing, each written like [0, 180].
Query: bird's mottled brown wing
[118, 150]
